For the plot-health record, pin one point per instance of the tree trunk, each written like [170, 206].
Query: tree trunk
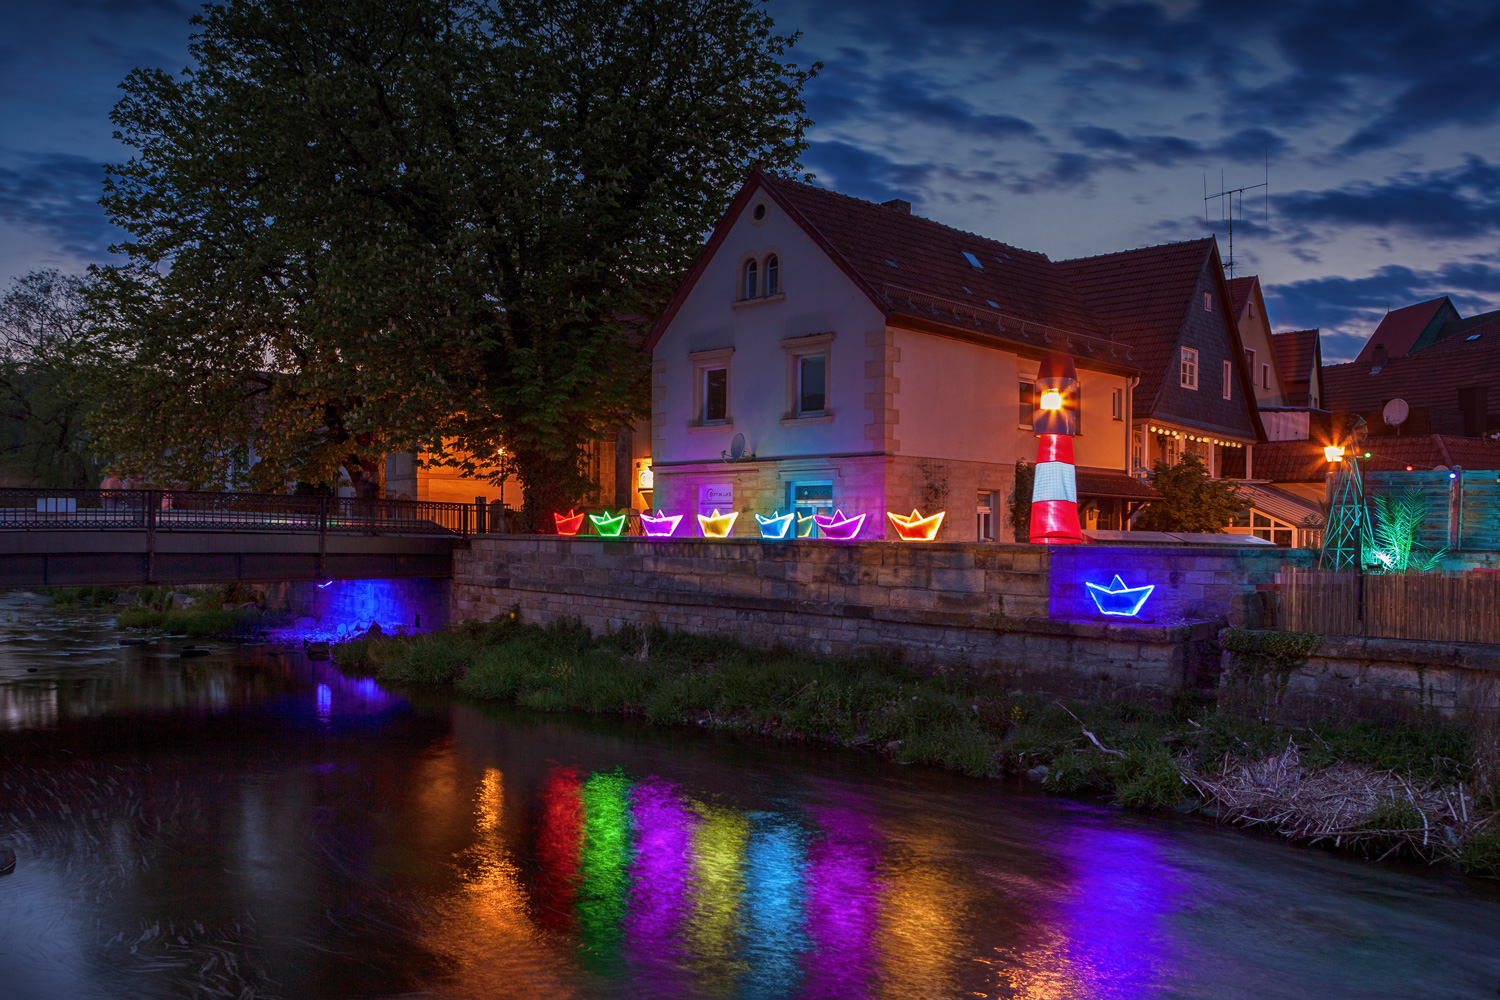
[552, 486]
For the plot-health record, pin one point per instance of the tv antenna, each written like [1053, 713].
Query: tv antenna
[1233, 201]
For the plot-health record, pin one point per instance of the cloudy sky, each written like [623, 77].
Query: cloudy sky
[1072, 127]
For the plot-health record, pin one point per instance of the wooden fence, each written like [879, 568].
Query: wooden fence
[1442, 607]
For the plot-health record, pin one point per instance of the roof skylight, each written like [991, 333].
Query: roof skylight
[1472, 336]
[993, 303]
[973, 260]
[890, 262]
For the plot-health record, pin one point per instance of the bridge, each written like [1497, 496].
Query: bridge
[71, 538]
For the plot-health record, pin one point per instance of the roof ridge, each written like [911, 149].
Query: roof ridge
[1150, 246]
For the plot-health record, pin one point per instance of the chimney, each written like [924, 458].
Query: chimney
[1379, 355]
[897, 205]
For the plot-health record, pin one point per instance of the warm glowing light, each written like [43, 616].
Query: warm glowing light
[608, 526]
[1118, 599]
[775, 526]
[660, 526]
[645, 479]
[1051, 400]
[837, 527]
[717, 525]
[915, 527]
[1333, 453]
[568, 524]
[805, 526]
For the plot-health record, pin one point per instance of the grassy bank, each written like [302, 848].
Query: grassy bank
[218, 610]
[1387, 781]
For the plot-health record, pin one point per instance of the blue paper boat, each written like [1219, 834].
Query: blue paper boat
[1118, 599]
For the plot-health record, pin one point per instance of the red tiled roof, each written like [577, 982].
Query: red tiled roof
[1303, 461]
[1239, 292]
[1143, 296]
[1430, 377]
[909, 259]
[1399, 330]
[1296, 354]
[1094, 482]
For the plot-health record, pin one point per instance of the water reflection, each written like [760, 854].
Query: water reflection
[305, 834]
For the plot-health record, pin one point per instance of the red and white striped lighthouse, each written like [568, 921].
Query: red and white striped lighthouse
[1054, 491]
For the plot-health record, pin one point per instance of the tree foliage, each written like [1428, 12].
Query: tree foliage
[1020, 501]
[42, 437]
[1191, 500]
[358, 227]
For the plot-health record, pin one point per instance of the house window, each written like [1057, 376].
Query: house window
[1117, 404]
[812, 383]
[1188, 372]
[1137, 450]
[1208, 302]
[1265, 376]
[773, 275]
[1250, 362]
[1251, 305]
[986, 511]
[1028, 401]
[1228, 379]
[715, 395]
[751, 283]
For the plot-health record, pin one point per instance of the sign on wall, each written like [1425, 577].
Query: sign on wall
[715, 496]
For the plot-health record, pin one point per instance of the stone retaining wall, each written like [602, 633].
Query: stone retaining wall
[987, 606]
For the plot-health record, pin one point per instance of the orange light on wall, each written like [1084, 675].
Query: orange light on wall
[915, 527]
[1333, 453]
[717, 525]
[569, 524]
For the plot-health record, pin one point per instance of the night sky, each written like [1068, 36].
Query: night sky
[1068, 127]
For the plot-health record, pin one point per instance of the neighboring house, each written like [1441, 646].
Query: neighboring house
[1248, 306]
[869, 360]
[1446, 369]
[1171, 305]
[1299, 357]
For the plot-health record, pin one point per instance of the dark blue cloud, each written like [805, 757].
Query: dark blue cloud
[863, 174]
[1151, 74]
[1459, 202]
[58, 196]
[1463, 92]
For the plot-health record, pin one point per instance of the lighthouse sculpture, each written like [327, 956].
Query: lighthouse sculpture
[1054, 491]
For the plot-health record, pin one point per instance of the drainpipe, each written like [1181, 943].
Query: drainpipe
[1250, 461]
[1455, 508]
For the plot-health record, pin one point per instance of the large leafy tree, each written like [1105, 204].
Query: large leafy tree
[1191, 500]
[42, 437]
[358, 227]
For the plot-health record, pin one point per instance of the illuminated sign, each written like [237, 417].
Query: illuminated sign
[568, 524]
[775, 526]
[916, 528]
[660, 526]
[717, 525]
[837, 527]
[609, 527]
[1118, 599]
[645, 479]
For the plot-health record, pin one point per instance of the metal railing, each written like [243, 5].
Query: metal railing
[184, 510]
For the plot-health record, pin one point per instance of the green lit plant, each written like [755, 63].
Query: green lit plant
[1394, 523]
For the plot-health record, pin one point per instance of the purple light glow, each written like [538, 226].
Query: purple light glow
[660, 874]
[841, 905]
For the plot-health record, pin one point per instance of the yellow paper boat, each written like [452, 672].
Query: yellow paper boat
[718, 525]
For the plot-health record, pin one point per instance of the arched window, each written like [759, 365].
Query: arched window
[748, 286]
[773, 275]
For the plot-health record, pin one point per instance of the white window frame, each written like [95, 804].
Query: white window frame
[750, 279]
[1265, 376]
[796, 349]
[801, 359]
[1117, 404]
[984, 514]
[1208, 302]
[1228, 380]
[771, 268]
[1187, 368]
[704, 362]
[1027, 416]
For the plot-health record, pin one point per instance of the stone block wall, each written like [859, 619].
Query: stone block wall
[1354, 678]
[983, 606]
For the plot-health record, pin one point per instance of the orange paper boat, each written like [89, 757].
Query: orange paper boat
[915, 527]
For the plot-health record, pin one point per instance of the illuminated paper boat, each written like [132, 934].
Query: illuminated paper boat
[607, 525]
[916, 528]
[569, 524]
[660, 526]
[837, 527]
[775, 526]
[1118, 599]
[805, 525]
[718, 525]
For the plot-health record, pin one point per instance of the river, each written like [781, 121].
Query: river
[253, 824]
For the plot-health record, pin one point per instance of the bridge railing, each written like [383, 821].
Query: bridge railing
[186, 510]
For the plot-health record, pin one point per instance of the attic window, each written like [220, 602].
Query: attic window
[759, 212]
[1208, 302]
[973, 260]
[999, 261]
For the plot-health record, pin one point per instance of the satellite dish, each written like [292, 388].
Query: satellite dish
[737, 447]
[1396, 412]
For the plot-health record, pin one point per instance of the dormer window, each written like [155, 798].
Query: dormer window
[773, 275]
[751, 280]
